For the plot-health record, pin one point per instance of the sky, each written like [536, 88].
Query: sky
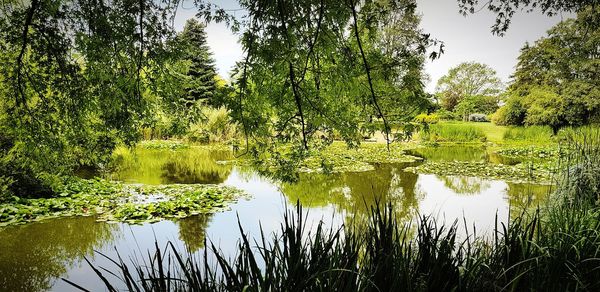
[466, 38]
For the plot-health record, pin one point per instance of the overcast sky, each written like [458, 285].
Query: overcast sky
[466, 38]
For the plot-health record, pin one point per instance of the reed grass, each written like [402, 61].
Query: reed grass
[532, 134]
[453, 132]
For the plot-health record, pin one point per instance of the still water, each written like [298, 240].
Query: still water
[35, 256]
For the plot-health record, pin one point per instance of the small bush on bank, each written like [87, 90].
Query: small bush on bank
[427, 119]
[216, 126]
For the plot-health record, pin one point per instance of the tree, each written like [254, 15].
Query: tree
[322, 66]
[74, 84]
[465, 80]
[505, 9]
[202, 73]
[185, 84]
[476, 104]
[556, 78]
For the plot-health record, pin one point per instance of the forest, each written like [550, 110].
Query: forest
[322, 161]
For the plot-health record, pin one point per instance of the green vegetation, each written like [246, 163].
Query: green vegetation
[114, 201]
[334, 158]
[469, 88]
[453, 132]
[554, 83]
[536, 252]
[110, 91]
[541, 173]
[531, 134]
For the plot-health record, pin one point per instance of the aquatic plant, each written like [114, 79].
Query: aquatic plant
[114, 201]
[524, 172]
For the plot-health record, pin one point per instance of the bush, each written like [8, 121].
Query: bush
[510, 114]
[427, 119]
[216, 126]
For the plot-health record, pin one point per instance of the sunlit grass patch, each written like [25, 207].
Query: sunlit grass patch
[453, 132]
[531, 134]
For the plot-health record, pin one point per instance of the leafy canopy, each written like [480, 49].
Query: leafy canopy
[466, 80]
[556, 80]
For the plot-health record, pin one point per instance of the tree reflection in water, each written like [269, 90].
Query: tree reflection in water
[192, 231]
[354, 193]
[32, 256]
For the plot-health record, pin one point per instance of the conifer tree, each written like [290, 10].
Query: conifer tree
[201, 87]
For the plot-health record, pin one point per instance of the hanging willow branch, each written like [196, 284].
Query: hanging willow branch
[368, 71]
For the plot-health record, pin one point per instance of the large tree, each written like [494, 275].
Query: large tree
[202, 73]
[74, 76]
[556, 79]
[186, 83]
[325, 66]
[466, 80]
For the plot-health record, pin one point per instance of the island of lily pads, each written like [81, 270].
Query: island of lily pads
[118, 202]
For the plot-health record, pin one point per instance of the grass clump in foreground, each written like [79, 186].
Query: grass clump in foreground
[556, 248]
[117, 202]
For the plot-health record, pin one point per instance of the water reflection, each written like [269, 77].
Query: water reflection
[39, 253]
[522, 196]
[32, 256]
[186, 166]
[356, 192]
[464, 185]
[192, 231]
[462, 153]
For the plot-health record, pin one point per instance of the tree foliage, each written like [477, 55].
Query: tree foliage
[505, 9]
[466, 81]
[556, 80]
[74, 79]
[326, 66]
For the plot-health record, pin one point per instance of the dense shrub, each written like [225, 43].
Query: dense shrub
[215, 126]
[512, 113]
[427, 118]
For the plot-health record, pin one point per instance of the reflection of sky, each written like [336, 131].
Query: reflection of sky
[479, 209]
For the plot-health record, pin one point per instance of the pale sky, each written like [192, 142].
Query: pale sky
[466, 38]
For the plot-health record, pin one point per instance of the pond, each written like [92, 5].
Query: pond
[35, 256]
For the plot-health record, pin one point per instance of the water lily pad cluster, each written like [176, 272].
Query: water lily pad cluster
[524, 172]
[114, 201]
[535, 152]
[338, 158]
[153, 203]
